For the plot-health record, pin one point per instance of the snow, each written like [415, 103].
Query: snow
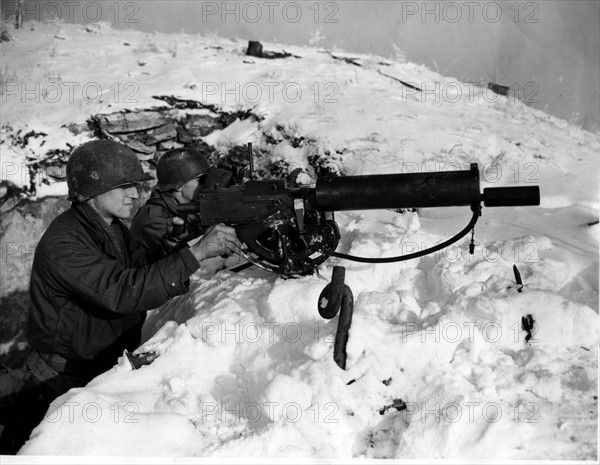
[245, 367]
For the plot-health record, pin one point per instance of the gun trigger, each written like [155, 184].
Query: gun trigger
[299, 209]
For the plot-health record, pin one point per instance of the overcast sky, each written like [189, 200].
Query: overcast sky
[548, 51]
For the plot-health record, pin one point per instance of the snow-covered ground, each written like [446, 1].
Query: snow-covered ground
[245, 367]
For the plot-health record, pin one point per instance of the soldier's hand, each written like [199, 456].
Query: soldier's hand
[219, 240]
[172, 239]
[175, 229]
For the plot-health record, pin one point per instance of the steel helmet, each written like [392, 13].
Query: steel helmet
[178, 166]
[101, 165]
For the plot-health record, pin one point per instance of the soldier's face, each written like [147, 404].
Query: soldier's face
[116, 203]
[191, 189]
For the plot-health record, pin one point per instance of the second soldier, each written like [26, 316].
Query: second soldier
[182, 173]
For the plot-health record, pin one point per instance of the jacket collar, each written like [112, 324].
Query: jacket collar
[163, 199]
[98, 236]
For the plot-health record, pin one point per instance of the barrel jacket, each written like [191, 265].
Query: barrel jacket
[151, 223]
[84, 299]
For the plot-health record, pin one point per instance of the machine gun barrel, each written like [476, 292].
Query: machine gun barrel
[389, 191]
[416, 190]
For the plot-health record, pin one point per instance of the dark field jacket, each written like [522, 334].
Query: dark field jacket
[85, 302]
[151, 223]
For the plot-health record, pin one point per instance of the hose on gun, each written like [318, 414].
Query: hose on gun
[470, 227]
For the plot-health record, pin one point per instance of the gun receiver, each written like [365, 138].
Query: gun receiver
[291, 231]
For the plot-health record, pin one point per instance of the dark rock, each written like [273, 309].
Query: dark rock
[200, 125]
[183, 135]
[122, 122]
[57, 172]
[137, 146]
[498, 89]
[255, 49]
[161, 133]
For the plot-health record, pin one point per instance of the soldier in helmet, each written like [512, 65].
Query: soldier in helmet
[91, 284]
[182, 173]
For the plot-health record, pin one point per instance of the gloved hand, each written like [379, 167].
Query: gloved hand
[175, 236]
[176, 228]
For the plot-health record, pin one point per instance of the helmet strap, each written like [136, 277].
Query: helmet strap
[80, 198]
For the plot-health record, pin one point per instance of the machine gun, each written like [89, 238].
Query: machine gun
[292, 230]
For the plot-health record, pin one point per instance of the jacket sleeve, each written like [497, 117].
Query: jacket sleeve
[98, 278]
